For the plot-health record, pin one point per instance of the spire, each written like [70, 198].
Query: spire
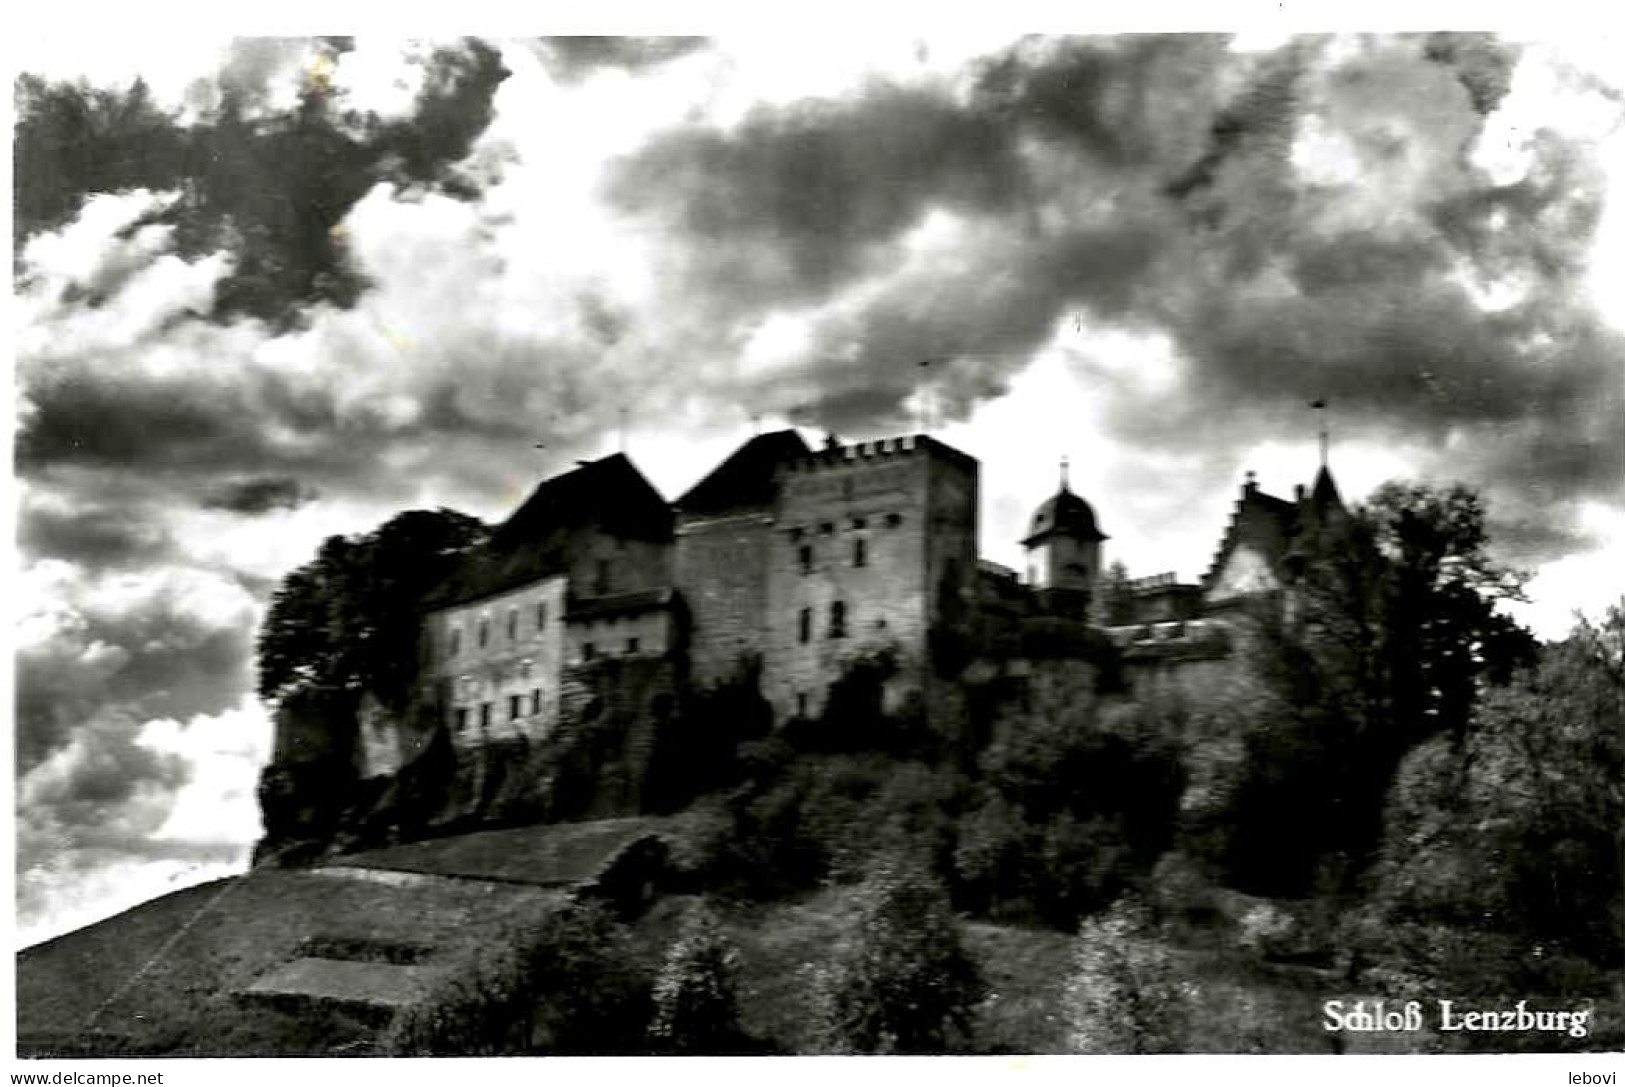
[1064, 486]
[1325, 436]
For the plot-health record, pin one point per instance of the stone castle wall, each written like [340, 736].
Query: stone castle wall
[863, 538]
[721, 568]
[479, 676]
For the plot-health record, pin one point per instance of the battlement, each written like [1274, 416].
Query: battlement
[880, 449]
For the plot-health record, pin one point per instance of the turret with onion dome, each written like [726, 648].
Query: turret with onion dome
[1063, 550]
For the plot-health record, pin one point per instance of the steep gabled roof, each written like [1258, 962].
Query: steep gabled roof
[747, 478]
[608, 494]
[1259, 519]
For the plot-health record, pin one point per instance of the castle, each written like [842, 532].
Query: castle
[795, 562]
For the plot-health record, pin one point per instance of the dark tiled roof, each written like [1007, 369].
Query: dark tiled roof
[600, 607]
[536, 542]
[746, 478]
[1067, 514]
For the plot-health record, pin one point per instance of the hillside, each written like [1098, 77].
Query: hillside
[319, 961]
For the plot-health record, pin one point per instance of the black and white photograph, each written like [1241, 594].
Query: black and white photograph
[891, 540]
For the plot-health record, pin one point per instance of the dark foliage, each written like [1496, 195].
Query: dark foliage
[1076, 800]
[1393, 636]
[700, 752]
[350, 619]
[904, 983]
[696, 1006]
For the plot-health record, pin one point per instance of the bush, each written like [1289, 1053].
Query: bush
[905, 983]
[1123, 995]
[695, 1006]
[591, 994]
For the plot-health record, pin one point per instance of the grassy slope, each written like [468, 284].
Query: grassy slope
[781, 943]
[553, 855]
[133, 978]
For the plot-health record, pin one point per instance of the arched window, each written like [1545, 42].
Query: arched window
[837, 619]
[860, 552]
[513, 624]
[806, 559]
[541, 616]
[805, 629]
[456, 642]
[485, 631]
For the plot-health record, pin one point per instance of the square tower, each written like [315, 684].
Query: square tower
[873, 550]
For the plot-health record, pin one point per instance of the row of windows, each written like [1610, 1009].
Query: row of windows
[827, 528]
[837, 622]
[860, 555]
[482, 630]
[516, 710]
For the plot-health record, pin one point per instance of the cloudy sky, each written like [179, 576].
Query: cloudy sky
[298, 285]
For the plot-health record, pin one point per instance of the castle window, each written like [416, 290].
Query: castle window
[541, 615]
[837, 619]
[631, 646]
[456, 642]
[600, 581]
[485, 631]
[806, 559]
[462, 719]
[536, 700]
[514, 706]
[513, 624]
[827, 528]
[806, 625]
[893, 520]
[588, 651]
[485, 716]
[860, 522]
[860, 553]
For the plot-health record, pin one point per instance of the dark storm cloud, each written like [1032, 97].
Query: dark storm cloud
[102, 769]
[151, 658]
[796, 202]
[268, 188]
[1482, 63]
[258, 494]
[97, 537]
[1152, 183]
[574, 58]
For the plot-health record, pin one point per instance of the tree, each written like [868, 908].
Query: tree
[1075, 795]
[1391, 633]
[696, 1009]
[350, 618]
[591, 992]
[905, 984]
[1122, 995]
[1520, 827]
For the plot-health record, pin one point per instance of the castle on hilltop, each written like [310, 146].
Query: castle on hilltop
[790, 564]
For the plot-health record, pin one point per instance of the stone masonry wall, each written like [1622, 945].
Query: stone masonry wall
[519, 657]
[863, 536]
[722, 569]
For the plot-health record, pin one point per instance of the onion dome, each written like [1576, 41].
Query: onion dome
[1063, 514]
